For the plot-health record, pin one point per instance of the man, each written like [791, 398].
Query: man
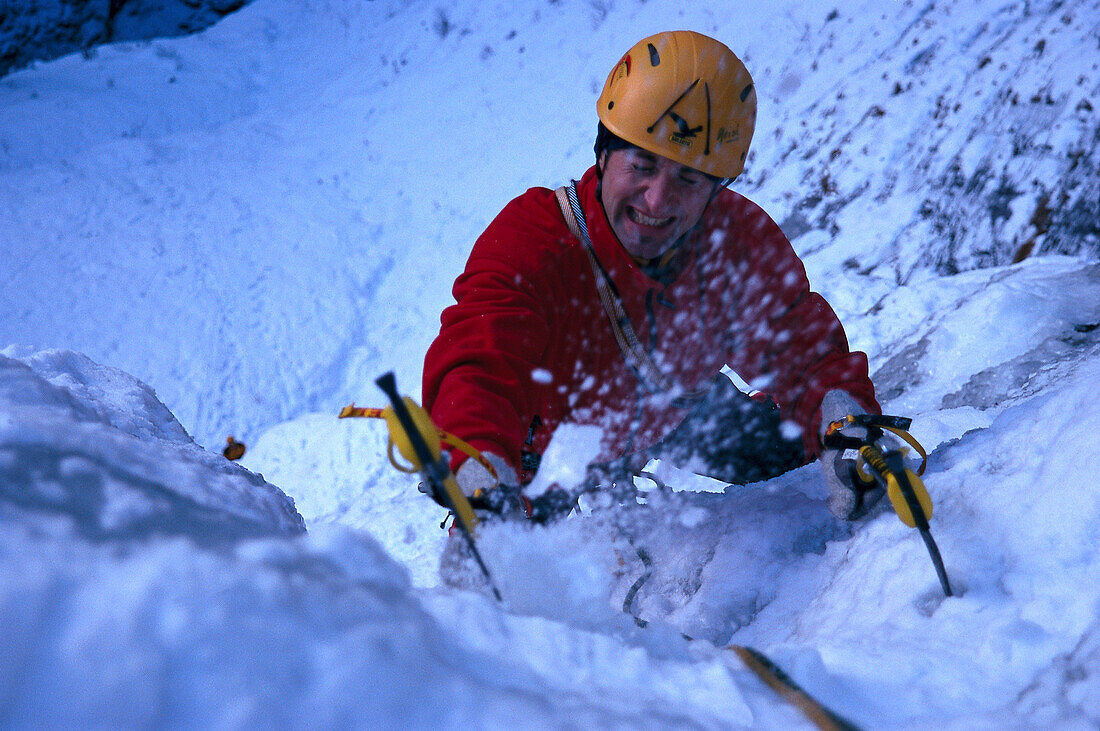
[618, 303]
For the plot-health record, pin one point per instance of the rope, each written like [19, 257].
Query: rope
[636, 357]
[781, 683]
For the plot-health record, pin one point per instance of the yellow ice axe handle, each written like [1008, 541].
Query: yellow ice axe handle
[399, 437]
[416, 437]
[910, 500]
[906, 491]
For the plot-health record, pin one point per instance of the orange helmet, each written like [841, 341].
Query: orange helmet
[684, 96]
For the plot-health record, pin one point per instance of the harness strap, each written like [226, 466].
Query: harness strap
[635, 355]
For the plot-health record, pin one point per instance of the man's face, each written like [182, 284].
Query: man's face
[651, 201]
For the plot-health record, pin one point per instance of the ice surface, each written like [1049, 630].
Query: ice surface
[258, 220]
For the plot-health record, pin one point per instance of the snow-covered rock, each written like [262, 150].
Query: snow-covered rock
[95, 446]
[39, 30]
[147, 582]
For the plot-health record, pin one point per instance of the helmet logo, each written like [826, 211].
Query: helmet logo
[623, 69]
[685, 133]
[728, 135]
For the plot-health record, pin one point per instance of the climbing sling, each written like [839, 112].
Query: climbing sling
[637, 359]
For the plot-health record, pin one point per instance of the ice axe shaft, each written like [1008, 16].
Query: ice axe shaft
[903, 486]
[937, 561]
[890, 471]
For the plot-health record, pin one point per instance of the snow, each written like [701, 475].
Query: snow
[235, 232]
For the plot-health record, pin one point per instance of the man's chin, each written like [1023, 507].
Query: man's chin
[650, 248]
[644, 246]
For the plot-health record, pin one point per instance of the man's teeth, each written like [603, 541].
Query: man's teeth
[639, 217]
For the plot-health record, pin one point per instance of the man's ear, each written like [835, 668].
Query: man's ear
[601, 161]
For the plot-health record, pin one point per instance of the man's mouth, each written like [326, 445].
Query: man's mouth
[640, 218]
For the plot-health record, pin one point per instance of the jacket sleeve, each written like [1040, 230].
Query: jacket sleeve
[826, 364]
[481, 373]
[802, 349]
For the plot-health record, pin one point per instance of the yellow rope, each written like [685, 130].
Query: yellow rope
[782, 684]
[912, 442]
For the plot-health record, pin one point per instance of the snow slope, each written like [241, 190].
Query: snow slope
[258, 220]
[262, 195]
[148, 582]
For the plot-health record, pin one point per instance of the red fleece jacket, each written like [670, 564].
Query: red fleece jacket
[527, 346]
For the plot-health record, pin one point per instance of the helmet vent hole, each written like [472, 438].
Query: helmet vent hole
[654, 57]
[610, 106]
[745, 92]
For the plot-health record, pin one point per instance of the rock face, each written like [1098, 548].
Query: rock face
[37, 30]
[974, 143]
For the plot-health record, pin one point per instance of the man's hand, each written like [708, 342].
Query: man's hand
[472, 475]
[849, 497]
[498, 495]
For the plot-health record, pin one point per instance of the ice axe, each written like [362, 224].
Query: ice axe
[887, 469]
[418, 440]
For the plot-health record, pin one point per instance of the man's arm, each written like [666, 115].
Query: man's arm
[481, 375]
[795, 340]
[478, 372]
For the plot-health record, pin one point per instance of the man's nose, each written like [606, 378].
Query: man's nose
[660, 194]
